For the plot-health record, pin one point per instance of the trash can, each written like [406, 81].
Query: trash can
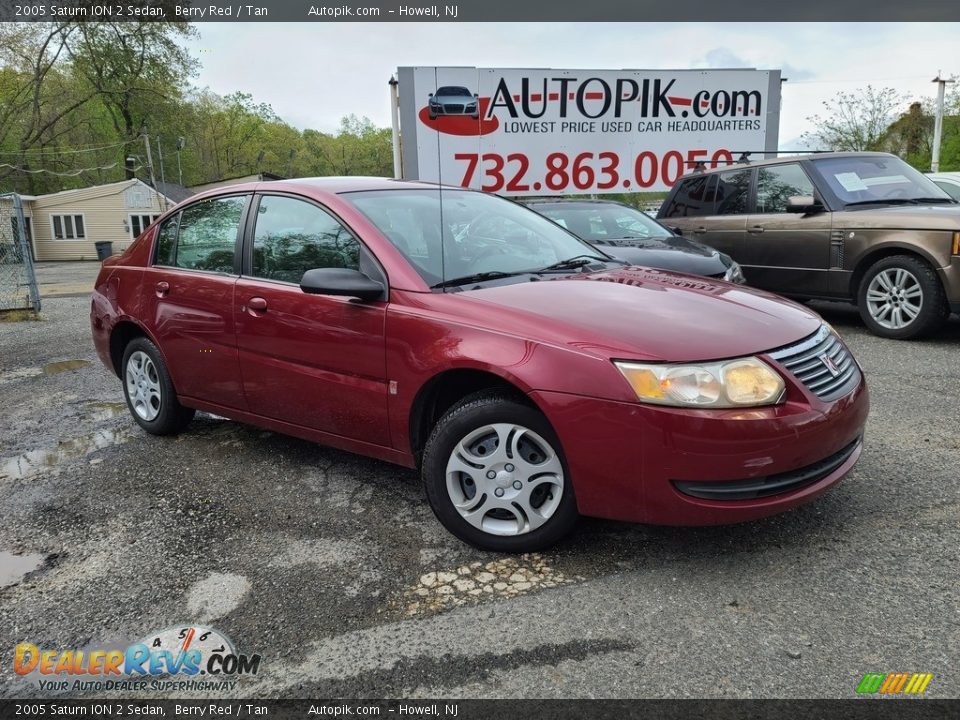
[104, 249]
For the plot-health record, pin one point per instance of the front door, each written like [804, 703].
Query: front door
[785, 252]
[312, 360]
[188, 295]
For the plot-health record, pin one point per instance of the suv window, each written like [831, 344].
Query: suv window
[690, 200]
[293, 236]
[732, 192]
[202, 236]
[776, 184]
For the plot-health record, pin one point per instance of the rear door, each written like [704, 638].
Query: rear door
[188, 298]
[712, 209]
[317, 361]
[786, 252]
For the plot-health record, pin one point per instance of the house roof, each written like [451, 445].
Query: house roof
[107, 188]
[173, 192]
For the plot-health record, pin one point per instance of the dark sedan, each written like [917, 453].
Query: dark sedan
[630, 235]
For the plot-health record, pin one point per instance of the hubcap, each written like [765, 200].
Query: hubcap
[894, 298]
[504, 479]
[143, 386]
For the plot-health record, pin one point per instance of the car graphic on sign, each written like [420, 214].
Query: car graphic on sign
[453, 100]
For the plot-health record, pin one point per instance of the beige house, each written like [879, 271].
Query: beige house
[65, 225]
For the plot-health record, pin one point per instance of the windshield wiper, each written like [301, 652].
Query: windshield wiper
[477, 277]
[575, 262]
[901, 201]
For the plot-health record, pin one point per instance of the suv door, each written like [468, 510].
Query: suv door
[316, 361]
[786, 252]
[188, 298]
[713, 209]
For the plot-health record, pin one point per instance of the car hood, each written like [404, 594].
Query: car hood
[668, 253]
[908, 217]
[644, 313]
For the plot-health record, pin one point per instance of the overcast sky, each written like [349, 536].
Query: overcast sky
[314, 73]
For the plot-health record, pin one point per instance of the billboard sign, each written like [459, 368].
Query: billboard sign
[550, 132]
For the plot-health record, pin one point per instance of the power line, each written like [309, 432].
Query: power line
[73, 173]
[69, 151]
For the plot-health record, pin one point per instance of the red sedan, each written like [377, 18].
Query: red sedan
[528, 375]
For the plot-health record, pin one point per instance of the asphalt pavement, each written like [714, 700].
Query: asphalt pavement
[333, 568]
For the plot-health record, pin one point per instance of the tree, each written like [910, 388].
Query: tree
[855, 121]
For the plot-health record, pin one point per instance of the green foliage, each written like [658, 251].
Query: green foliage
[69, 86]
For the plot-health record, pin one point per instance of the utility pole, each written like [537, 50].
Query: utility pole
[395, 129]
[181, 142]
[163, 178]
[153, 179]
[938, 122]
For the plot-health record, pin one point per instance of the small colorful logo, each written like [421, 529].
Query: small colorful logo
[185, 651]
[894, 683]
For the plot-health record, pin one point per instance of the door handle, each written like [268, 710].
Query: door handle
[162, 288]
[699, 230]
[257, 303]
[755, 230]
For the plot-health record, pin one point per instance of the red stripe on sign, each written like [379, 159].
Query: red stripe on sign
[554, 96]
[593, 96]
[536, 97]
[680, 100]
[516, 98]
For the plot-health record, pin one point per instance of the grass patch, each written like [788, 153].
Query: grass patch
[20, 315]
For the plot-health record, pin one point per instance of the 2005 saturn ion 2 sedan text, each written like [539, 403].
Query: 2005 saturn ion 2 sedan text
[529, 376]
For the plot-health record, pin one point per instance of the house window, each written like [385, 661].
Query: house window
[68, 227]
[139, 223]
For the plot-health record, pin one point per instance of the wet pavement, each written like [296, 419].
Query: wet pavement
[333, 568]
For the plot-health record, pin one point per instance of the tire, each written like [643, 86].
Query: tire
[900, 297]
[148, 389]
[535, 487]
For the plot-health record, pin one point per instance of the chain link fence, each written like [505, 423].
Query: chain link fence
[18, 283]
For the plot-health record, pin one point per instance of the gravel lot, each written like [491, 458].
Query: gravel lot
[328, 564]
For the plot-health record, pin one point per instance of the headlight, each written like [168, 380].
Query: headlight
[734, 273]
[729, 383]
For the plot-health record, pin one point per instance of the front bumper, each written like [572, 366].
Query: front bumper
[628, 461]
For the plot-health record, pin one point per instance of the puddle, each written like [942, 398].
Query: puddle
[106, 410]
[507, 577]
[64, 365]
[37, 461]
[19, 374]
[14, 567]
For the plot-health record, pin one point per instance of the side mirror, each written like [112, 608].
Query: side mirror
[430, 95]
[803, 204]
[675, 230]
[340, 281]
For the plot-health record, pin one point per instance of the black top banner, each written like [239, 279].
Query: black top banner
[477, 11]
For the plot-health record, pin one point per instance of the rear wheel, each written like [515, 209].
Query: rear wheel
[149, 390]
[901, 297]
[496, 477]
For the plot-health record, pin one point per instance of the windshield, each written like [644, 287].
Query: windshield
[478, 233]
[595, 222]
[456, 91]
[876, 180]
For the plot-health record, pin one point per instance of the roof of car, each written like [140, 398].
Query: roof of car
[751, 162]
[563, 200]
[944, 175]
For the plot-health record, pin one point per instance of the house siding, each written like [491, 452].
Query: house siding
[104, 209]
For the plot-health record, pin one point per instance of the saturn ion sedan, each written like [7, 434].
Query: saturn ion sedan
[530, 381]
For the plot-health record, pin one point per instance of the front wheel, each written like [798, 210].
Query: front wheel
[901, 297]
[149, 390]
[496, 477]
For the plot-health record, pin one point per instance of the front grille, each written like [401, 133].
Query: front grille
[771, 484]
[822, 363]
[452, 109]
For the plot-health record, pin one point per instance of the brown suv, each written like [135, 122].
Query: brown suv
[864, 227]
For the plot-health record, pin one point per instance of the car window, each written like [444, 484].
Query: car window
[293, 236]
[690, 199]
[203, 236]
[457, 233]
[952, 189]
[606, 221]
[732, 192]
[777, 184]
[876, 179]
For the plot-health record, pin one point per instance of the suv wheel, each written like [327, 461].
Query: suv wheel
[901, 297]
[496, 477]
[149, 390]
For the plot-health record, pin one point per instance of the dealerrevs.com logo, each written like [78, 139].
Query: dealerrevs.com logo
[902, 683]
[188, 657]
